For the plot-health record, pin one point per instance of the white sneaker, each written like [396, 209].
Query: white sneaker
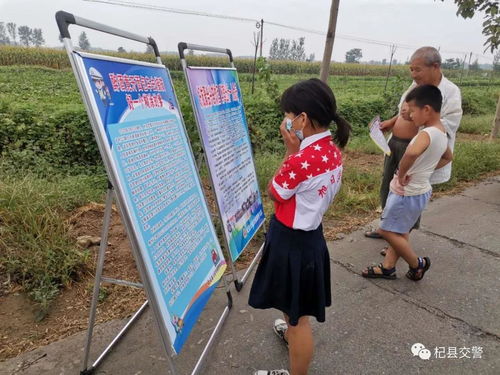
[280, 328]
[271, 372]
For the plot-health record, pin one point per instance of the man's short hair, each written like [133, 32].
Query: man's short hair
[430, 55]
[426, 95]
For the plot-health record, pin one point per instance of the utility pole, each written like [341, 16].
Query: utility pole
[468, 65]
[393, 49]
[256, 36]
[261, 35]
[330, 37]
[496, 123]
[463, 67]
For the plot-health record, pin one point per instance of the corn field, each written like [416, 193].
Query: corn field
[57, 59]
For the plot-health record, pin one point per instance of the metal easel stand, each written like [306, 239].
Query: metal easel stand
[251, 266]
[182, 46]
[65, 19]
[99, 278]
[239, 283]
[86, 370]
[198, 367]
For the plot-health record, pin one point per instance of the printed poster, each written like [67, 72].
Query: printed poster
[223, 128]
[142, 131]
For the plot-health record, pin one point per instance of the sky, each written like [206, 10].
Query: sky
[407, 23]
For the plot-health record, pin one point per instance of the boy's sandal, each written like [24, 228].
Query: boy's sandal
[383, 252]
[417, 274]
[373, 234]
[387, 273]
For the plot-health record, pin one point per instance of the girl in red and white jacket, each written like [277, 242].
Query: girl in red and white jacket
[294, 273]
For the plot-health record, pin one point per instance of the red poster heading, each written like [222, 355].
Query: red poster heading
[213, 95]
[136, 83]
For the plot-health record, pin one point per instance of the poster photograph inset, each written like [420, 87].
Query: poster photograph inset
[138, 119]
[223, 127]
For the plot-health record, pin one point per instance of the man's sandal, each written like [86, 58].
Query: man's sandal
[387, 273]
[373, 234]
[417, 274]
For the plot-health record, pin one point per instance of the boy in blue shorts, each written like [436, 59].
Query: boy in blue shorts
[410, 189]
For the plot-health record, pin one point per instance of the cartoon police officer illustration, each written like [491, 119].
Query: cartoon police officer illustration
[101, 88]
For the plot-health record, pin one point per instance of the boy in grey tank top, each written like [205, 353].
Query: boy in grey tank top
[410, 189]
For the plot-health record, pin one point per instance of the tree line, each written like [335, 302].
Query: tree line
[11, 34]
[288, 49]
[24, 35]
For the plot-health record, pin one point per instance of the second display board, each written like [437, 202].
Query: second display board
[217, 100]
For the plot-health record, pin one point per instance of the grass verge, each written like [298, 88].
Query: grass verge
[35, 249]
[476, 124]
[471, 160]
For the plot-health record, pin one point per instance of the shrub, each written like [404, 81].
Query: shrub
[476, 124]
[478, 102]
[45, 145]
[359, 111]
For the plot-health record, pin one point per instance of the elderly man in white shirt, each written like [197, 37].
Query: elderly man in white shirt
[425, 68]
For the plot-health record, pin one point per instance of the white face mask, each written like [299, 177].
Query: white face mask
[298, 133]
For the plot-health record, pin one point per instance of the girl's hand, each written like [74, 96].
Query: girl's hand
[292, 143]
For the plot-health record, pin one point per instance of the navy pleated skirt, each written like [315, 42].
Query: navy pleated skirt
[293, 275]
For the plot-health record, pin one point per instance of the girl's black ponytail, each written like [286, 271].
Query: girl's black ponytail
[343, 130]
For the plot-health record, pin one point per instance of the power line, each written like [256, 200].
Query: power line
[369, 41]
[130, 4]
[341, 36]
[220, 16]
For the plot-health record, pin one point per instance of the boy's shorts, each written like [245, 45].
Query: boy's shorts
[401, 212]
